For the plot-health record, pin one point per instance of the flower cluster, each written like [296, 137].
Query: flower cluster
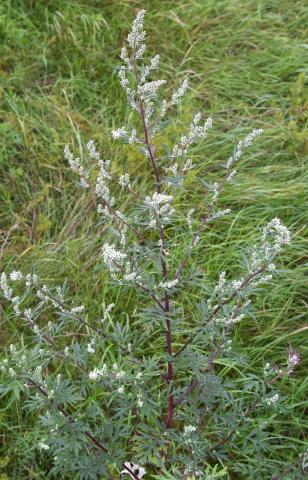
[272, 400]
[154, 63]
[241, 146]
[195, 133]
[178, 94]
[189, 430]
[98, 372]
[160, 208]
[137, 35]
[76, 166]
[274, 237]
[293, 360]
[148, 90]
[113, 258]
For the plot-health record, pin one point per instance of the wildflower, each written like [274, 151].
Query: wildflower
[92, 151]
[15, 302]
[197, 118]
[215, 192]
[51, 394]
[124, 180]
[109, 307]
[267, 369]
[197, 239]
[31, 279]
[75, 165]
[121, 389]
[120, 133]
[220, 213]
[188, 429]
[187, 165]
[241, 145]
[235, 319]
[15, 276]
[43, 446]
[195, 133]
[36, 329]
[169, 284]
[263, 279]
[133, 137]
[237, 284]
[126, 59]
[113, 258]
[124, 55]
[129, 277]
[221, 282]
[173, 169]
[90, 345]
[140, 402]
[189, 218]
[77, 309]
[159, 205]
[94, 374]
[293, 359]
[137, 35]
[231, 175]
[154, 62]
[148, 90]
[271, 400]
[274, 236]
[98, 372]
[7, 291]
[101, 187]
[164, 108]
[177, 95]
[140, 51]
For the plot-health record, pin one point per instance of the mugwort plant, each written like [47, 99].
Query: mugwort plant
[147, 397]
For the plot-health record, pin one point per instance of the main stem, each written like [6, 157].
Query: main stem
[166, 303]
[169, 377]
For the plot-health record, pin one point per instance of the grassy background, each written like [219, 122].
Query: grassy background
[246, 60]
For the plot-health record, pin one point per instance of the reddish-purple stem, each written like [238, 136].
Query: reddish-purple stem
[166, 304]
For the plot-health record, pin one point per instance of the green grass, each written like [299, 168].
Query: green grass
[246, 60]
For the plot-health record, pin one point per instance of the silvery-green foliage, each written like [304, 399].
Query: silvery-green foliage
[144, 397]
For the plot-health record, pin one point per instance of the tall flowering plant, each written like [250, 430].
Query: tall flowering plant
[146, 397]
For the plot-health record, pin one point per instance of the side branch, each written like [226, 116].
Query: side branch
[88, 434]
[219, 306]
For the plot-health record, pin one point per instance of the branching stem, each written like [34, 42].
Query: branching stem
[88, 434]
